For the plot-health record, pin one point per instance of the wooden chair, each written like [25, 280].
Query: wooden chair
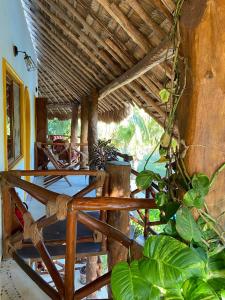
[48, 180]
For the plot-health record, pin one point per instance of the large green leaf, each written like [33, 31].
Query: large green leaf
[145, 178]
[168, 262]
[128, 284]
[200, 182]
[186, 225]
[197, 289]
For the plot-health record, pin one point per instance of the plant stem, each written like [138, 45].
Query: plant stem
[220, 235]
[216, 173]
[146, 163]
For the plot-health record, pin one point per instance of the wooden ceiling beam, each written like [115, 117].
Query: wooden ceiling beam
[137, 7]
[69, 51]
[58, 79]
[75, 39]
[107, 61]
[114, 11]
[48, 64]
[61, 62]
[153, 58]
[56, 88]
[163, 9]
[83, 36]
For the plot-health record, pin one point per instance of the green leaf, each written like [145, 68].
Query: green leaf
[197, 289]
[162, 151]
[186, 225]
[173, 295]
[165, 140]
[164, 95]
[170, 228]
[161, 198]
[168, 262]
[168, 211]
[145, 178]
[216, 265]
[218, 284]
[128, 284]
[161, 160]
[193, 198]
[200, 182]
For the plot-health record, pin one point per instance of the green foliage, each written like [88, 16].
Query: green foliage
[161, 198]
[186, 226]
[189, 266]
[128, 284]
[164, 95]
[145, 178]
[58, 127]
[103, 151]
[196, 289]
[193, 198]
[169, 270]
[170, 261]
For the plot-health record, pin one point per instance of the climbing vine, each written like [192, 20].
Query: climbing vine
[187, 261]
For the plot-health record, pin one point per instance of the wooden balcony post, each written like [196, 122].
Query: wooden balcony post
[119, 186]
[92, 126]
[84, 132]
[201, 115]
[41, 128]
[74, 125]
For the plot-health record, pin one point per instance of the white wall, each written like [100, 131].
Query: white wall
[14, 31]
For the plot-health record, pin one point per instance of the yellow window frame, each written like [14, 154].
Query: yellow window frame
[8, 69]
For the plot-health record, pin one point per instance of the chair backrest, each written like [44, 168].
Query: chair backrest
[50, 155]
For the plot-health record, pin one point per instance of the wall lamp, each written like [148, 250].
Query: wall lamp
[28, 60]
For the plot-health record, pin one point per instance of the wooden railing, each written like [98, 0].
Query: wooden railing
[62, 207]
[144, 218]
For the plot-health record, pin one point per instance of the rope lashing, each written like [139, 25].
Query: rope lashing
[30, 230]
[58, 207]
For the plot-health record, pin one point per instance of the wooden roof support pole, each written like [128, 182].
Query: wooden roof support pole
[92, 126]
[74, 125]
[84, 131]
[201, 115]
[41, 120]
[119, 186]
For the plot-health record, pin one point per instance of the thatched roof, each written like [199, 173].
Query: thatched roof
[86, 44]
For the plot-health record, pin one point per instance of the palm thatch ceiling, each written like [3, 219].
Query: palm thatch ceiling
[117, 46]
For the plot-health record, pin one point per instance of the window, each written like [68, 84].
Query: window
[13, 106]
